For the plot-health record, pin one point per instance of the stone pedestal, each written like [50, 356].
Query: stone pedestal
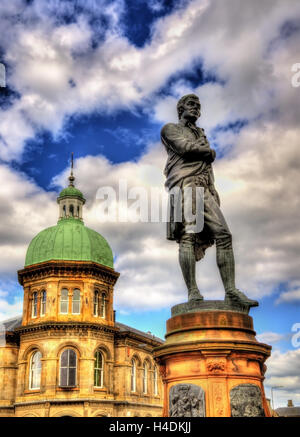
[211, 363]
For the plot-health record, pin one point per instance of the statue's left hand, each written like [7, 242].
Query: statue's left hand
[211, 157]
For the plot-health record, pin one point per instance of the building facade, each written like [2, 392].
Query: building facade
[66, 355]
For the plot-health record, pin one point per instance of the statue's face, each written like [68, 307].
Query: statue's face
[191, 109]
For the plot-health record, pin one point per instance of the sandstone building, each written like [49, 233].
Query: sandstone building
[66, 355]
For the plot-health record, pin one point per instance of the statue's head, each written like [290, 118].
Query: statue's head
[189, 107]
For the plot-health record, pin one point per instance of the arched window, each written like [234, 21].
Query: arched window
[64, 301]
[155, 381]
[43, 302]
[133, 375]
[96, 303]
[68, 368]
[34, 304]
[35, 371]
[102, 306]
[71, 210]
[76, 301]
[98, 370]
[145, 378]
[64, 211]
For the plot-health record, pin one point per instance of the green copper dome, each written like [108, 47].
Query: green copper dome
[70, 191]
[69, 240]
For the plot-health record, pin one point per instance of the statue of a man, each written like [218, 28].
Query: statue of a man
[189, 164]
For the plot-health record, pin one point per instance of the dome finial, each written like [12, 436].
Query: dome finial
[71, 177]
[70, 199]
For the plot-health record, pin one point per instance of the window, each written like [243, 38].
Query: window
[64, 301]
[68, 368]
[71, 210]
[133, 375]
[145, 378]
[76, 301]
[155, 381]
[43, 302]
[35, 371]
[102, 306]
[64, 211]
[99, 304]
[96, 303]
[98, 371]
[34, 304]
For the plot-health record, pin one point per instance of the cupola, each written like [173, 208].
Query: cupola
[70, 200]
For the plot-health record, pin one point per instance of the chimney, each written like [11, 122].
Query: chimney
[290, 403]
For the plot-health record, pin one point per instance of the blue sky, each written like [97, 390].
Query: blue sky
[100, 78]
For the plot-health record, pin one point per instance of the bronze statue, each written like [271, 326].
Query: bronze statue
[189, 164]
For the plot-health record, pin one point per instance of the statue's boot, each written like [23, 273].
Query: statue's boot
[187, 263]
[225, 261]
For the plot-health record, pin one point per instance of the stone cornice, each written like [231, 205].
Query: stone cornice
[121, 337]
[79, 401]
[71, 269]
[64, 326]
[213, 346]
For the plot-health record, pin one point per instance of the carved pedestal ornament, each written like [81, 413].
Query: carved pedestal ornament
[216, 366]
[246, 401]
[218, 398]
[186, 400]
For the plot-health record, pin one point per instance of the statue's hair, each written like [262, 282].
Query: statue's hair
[182, 101]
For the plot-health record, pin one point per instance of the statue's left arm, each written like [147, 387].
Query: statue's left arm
[173, 138]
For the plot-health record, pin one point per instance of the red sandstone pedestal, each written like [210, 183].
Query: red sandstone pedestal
[211, 363]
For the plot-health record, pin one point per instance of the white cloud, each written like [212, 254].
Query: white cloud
[289, 297]
[283, 371]
[11, 300]
[8, 310]
[48, 58]
[269, 337]
[25, 210]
